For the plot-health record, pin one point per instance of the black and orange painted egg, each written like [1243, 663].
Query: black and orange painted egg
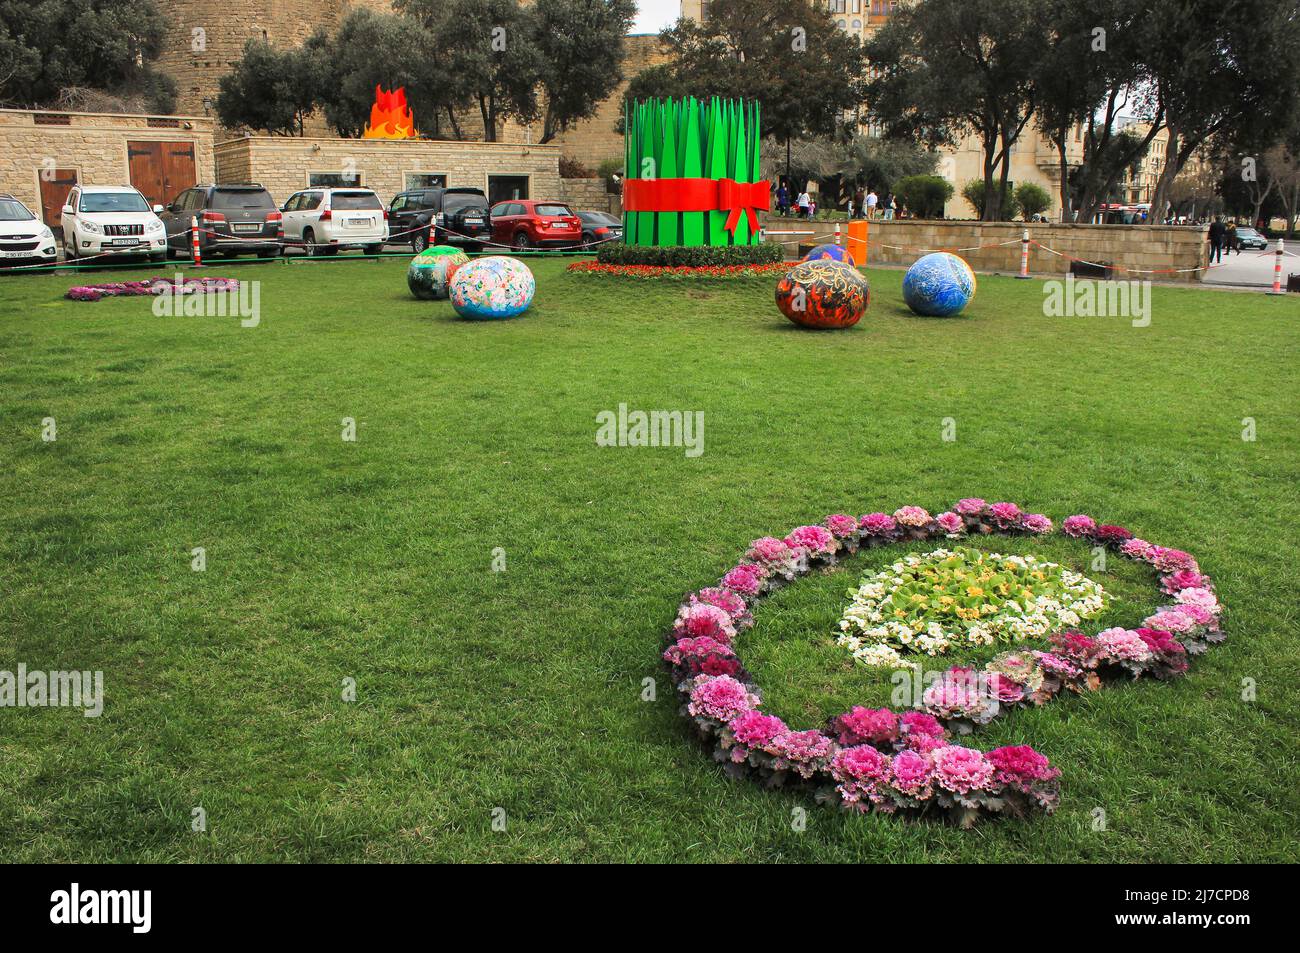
[823, 294]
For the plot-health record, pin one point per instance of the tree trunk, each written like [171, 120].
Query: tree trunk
[992, 202]
[455, 124]
[1064, 167]
[488, 110]
[1173, 164]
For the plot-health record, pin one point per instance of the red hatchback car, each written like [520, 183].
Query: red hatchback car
[524, 223]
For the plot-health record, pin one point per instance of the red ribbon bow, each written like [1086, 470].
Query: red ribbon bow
[698, 195]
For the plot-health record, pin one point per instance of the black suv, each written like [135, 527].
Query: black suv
[233, 220]
[424, 217]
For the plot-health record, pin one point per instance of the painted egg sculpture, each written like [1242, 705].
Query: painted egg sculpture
[429, 273]
[492, 287]
[823, 294]
[830, 252]
[938, 285]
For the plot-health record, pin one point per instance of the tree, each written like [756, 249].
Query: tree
[1032, 199]
[974, 194]
[787, 54]
[879, 163]
[272, 89]
[923, 195]
[946, 68]
[411, 59]
[1216, 68]
[489, 47]
[581, 44]
[47, 46]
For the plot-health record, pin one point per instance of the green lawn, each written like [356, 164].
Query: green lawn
[521, 690]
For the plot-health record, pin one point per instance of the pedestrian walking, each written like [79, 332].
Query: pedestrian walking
[782, 200]
[1230, 241]
[872, 201]
[890, 207]
[803, 204]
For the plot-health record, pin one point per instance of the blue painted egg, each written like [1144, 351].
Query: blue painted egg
[492, 287]
[938, 285]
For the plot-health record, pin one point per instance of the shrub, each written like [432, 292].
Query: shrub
[571, 168]
[973, 192]
[697, 256]
[1032, 199]
[924, 195]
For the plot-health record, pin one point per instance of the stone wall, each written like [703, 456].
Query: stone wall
[1133, 246]
[585, 194]
[282, 164]
[91, 144]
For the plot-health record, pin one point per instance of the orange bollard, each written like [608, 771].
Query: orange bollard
[1277, 271]
[857, 246]
[1024, 255]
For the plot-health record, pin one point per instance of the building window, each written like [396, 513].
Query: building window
[837, 6]
[425, 180]
[501, 188]
[857, 6]
[331, 180]
[857, 24]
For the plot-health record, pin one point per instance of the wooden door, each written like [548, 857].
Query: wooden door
[160, 170]
[54, 194]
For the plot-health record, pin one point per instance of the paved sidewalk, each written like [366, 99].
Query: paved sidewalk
[1252, 269]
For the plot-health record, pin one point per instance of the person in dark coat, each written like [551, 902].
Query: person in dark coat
[1218, 233]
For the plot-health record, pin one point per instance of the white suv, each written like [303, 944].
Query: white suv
[324, 220]
[112, 220]
[23, 239]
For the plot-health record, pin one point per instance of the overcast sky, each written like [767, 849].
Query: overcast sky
[653, 15]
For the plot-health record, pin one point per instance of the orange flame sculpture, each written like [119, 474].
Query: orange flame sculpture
[390, 117]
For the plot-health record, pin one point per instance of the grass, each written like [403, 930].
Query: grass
[371, 560]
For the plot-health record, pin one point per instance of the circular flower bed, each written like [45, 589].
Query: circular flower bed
[881, 760]
[926, 604]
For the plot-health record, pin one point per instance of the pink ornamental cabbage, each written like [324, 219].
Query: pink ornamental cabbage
[971, 506]
[1124, 644]
[950, 522]
[702, 619]
[961, 770]
[871, 725]
[909, 772]
[721, 698]
[913, 516]
[1020, 765]
[1080, 525]
[878, 524]
[1037, 523]
[746, 579]
[815, 539]
[753, 729]
[841, 525]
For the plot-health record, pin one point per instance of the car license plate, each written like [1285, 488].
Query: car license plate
[126, 241]
[358, 222]
[247, 227]
[473, 221]
[17, 254]
[559, 225]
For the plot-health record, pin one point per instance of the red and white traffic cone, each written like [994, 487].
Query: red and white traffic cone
[194, 242]
[1024, 255]
[837, 233]
[1277, 271]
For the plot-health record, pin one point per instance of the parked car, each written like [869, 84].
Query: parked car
[424, 217]
[112, 220]
[525, 223]
[1248, 237]
[24, 239]
[233, 220]
[325, 220]
[600, 227]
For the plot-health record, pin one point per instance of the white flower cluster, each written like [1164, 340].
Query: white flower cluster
[880, 642]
